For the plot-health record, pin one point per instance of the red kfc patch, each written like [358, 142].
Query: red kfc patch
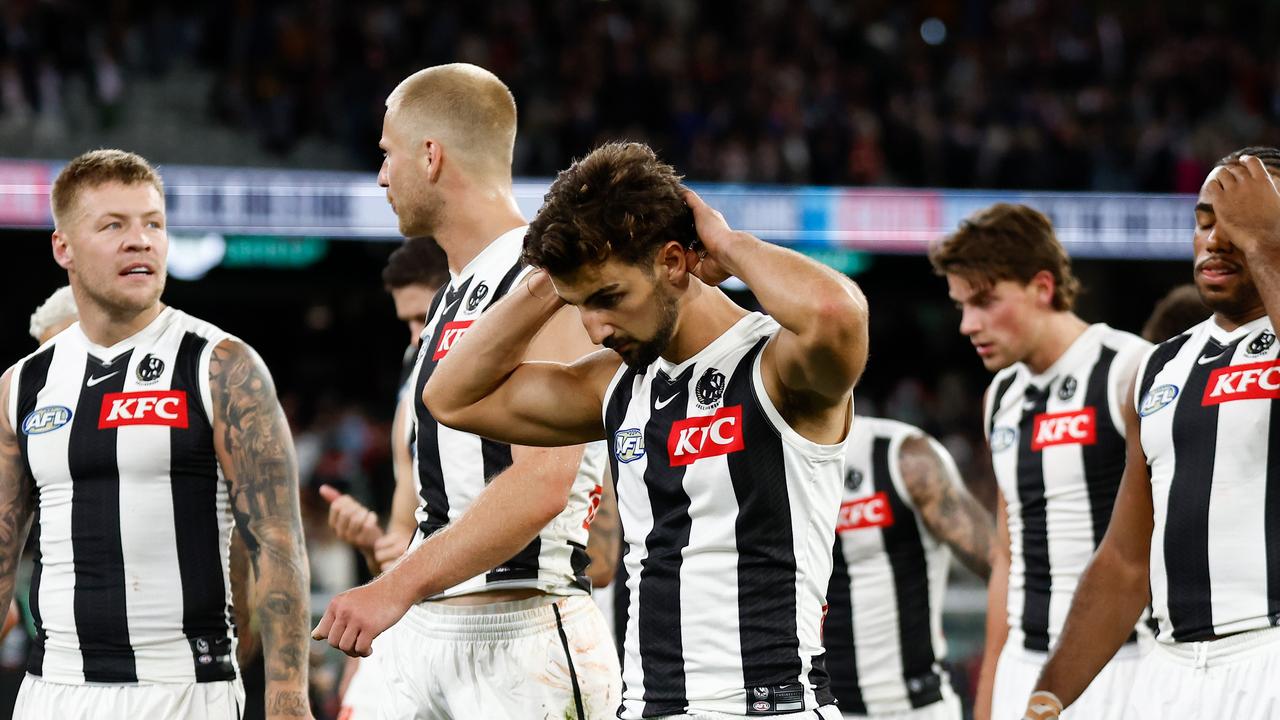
[1074, 427]
[451, 333]
[707, 436]
[867, 512]
[1255, 381]
[166, 408]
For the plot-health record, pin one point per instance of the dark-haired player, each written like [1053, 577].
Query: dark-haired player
[1053, 421]
[727, 428]
[1197, 521]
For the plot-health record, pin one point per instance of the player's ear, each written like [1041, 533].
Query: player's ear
[672, 263]
[1042, 286]
[62, 253]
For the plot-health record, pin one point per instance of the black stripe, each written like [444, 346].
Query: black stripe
[1271, 515]
[1104, 460]
[504, 285]
[996, 398]
[1035, 527]
[193, 481]
[1186, 534]
[430, 473]
[30, 381]
[910, 568]
[102, 622]
[661, 645]
[568, 658]
[1159, 357]
[767, 571]
[839, 638]
[579, 560]
[615, 411]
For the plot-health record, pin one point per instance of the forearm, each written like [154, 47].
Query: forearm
[492, 349]
[281, 604]
[1107, 604]
[997, 633]
[801, 294]
[1264, 268]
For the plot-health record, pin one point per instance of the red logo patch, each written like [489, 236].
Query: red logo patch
[167, 408]
[451, 333]
[593, 504]
[867, 512]
[699, 437]
[1255, 381]
[1074, 427]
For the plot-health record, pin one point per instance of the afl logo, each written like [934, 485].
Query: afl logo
[628, 444]
[1003, 438]
[1261, 344]
[1156, 398]
[150, 369]
[45, 419]
[477, 296]
[710, 387]
[762, 706]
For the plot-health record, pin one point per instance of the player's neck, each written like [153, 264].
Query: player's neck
[106, 327]
[471, 226]
[1061, 330]
[1230, 322]
[704, 317]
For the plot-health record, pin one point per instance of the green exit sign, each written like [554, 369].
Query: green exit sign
[849, 262]
[273, 251]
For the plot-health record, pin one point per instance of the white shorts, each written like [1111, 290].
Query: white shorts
[1104, 699]
[365, 690]
[1237, 677]
[826, 712]
[948, 708]
[41, 700]
[526, 660]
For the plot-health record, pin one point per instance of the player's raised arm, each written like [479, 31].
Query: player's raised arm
[15, 497]
[255, 450]
[486, 386]
[822, 348]
[1113, 589]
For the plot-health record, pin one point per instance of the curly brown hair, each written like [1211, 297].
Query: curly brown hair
[94, 168]
[1007, 242]
[620, 201]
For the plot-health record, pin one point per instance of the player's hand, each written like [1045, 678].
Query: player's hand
[1043, 705]
[710, 263]
[352, 522]
[1246, 204]
[390, 547]
[354, 618]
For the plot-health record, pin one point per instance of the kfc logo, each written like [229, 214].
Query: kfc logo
[449, 334]
[1256, 381]
[867, 512]
[167, 408]
[1076, 427]
[706, 436]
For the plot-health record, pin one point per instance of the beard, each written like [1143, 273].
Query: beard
[1241, 300]
[644, 352]
[119, 304]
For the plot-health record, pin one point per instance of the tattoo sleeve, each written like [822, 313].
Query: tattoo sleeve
[256, 452]
[947, 508]
[15, 499]
[604, 542]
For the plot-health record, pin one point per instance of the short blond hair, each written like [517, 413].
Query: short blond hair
[468, 107]
[95, 168]
[58, 309]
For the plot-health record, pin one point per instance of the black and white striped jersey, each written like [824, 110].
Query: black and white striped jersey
[452, 467]
[1058, 451]
[133, 523]
[727, 516]
[884, 623]
[1207, 403]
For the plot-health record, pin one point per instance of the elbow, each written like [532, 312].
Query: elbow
[840, 321]
[442, 407]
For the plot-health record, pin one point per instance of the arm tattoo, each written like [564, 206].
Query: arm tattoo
[947, 508]
[606, 533]
[15, 500]
[255, 449]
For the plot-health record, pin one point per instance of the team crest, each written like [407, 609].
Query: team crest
[45, 419]
[710, 387]
[1156, 398]
[477, 296]
[150, 369]
[853, 479]
[628, 444]
[1067, 388]
[1003, 438]
[1261, 344]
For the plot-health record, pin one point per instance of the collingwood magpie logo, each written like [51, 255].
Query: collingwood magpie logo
[1067, 388]
[853, 479]
[1261, 344]
[710, 387]
[150, 369]
[477, 296]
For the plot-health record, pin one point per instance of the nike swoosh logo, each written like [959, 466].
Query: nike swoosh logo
[1207, 360]
[659, 403]
[95, 380]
